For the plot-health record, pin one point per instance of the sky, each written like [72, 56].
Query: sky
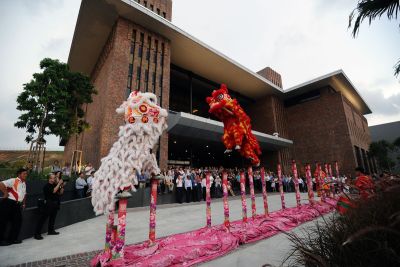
[301, 39]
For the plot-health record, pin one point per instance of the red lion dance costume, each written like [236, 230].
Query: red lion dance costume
[237, 127]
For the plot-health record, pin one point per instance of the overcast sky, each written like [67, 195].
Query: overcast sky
[301, 39]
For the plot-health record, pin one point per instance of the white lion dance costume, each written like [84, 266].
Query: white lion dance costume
[145, 122]
[132, 153]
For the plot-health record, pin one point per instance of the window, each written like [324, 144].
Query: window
[162, 54]
[151, 7]
[154, 82]
[140, 51]
[130, 69]
[164, 15]
[146, 75]
[155, 52]
[158, 11]
[145, 3]
[139, 71]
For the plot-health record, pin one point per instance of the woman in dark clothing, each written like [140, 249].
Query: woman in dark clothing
[52, 192]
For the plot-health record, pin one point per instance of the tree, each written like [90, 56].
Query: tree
[52, 102]
[371, 10]
[380, 151]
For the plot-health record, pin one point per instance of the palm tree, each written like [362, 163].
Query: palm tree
[372, 9]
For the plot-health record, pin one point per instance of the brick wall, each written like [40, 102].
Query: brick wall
[320, 133]
[272, 76]
[160, 7]
[114, 76]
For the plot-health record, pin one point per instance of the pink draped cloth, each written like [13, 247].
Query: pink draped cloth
[206, 244]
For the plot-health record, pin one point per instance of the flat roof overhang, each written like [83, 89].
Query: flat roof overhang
[97, 17]
[339, 81]
[188, 125]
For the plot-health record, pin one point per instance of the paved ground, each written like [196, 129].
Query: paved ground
[78, 243]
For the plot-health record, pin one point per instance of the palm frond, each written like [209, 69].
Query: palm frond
[372, 9]
[397, 69]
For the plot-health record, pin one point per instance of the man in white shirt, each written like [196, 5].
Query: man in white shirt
[11, 205]
[179, 188]
[188, 187]
[80, 184]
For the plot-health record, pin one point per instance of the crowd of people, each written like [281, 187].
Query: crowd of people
[190, 183]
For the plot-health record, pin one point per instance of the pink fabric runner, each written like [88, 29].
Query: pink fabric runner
[206, 244]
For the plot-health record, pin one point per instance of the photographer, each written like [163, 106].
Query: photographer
[52, 192]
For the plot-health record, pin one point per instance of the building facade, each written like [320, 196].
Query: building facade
[132, 45]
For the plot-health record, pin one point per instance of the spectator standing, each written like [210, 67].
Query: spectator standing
[169, 181]
[52, 192]
[203, 187]
[89, 169]
[80, 184]
[301, 184]
[89, 182]
[179, 188]
[273, 184]
[11, 206]
[188, 187]
[55, 167]
[218, 187]
[67, 169]
[142, 179]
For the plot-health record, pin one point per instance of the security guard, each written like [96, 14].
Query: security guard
[11, 205]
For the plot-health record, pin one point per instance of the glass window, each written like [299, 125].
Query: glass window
[164, 15]
[151, 7]
[130, 69]
[146, 75]
[158, 11]
[140, 51]
[145, 3]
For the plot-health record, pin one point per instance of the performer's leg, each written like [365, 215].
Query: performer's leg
[52, 220]
[16, 222]
[5, 211]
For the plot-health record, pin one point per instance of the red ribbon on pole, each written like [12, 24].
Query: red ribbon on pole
[253, 197]
[264, 192]
[243, 195]
[309, 184]
[296, 183]
[153, 208]
[208, 200]
[225, 199]
[281, 186]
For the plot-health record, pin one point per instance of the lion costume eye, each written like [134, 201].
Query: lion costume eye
[220, 97]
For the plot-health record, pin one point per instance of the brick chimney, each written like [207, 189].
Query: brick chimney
[271, 76]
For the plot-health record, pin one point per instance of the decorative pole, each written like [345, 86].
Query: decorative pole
[225, 199]
[153, 209]
[338, 177]
[331, 179]
[296, 182]
[281, 186]
[208, 200]
[321, 181]
[326, 179]
[243, 195]
[253, 198]
[109, 244]
[309, 184]
[264, 192]
[122, 205]
[317, 179]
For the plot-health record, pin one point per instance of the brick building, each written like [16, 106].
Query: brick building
[132, 45]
